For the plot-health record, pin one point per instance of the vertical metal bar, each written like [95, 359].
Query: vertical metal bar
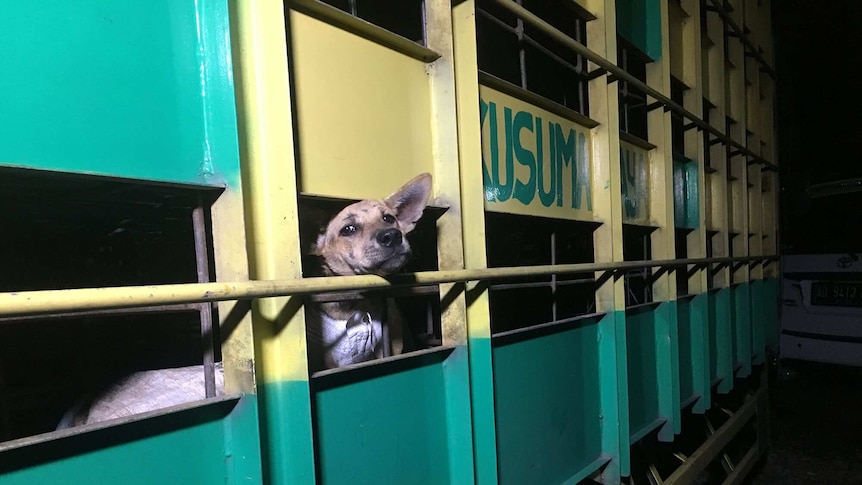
[554, 276]
[352, 6]
[522, 54]
[206, 311]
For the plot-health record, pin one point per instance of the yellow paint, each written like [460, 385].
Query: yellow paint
[363, 112]
[269, 177]
[470, 154]
[563, 206]
[635, 182]
[231, 263]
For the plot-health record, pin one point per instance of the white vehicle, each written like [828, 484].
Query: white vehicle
[821, 312]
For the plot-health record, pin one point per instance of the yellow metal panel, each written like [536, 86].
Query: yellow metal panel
[269, 178]
[363, 112]
[231, 263]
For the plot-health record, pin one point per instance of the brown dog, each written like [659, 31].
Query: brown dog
[367, 237]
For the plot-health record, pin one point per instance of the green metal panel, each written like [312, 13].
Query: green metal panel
[643, 378]
[548, 406]
[687, 354]
[639, 22]
[758, 321]
[770, 305]
[130, 89]
[698, 324]
[613, 382]
[456, 375]
[685, 194]
[482, 394]
[210, 444]
[741, 301]
[286, 431]
[391, 428]
[723, 339]
[667, 369]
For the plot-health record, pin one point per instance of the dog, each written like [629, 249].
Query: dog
[367, 237]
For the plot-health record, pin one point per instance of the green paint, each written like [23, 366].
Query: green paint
[198, 446]
[667, 369]
[456, 376]
[130, 89]
[613, 383]
[484, 422]
[770, 305]
[698, 325]
[395, 428]
[758, 321]
[548, 406]
[685, 194]
[639, 22]
[285, 415]
[741, 301]
[723, 345]
[634, 176]
[643, 371]
[687, 354]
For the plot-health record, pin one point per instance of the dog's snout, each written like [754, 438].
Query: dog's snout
[389, 238]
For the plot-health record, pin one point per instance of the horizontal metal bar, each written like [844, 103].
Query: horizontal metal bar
[102, 313]
[363, 28]
[728, 19]
[744, 467]
[541, 284]
[87, 299]
[707, 452]
[222, 405]
[359, 295]
[620, 73]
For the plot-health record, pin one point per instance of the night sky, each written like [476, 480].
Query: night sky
[818, 48]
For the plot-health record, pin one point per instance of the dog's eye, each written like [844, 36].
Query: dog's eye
[348, 230]
[388, 219]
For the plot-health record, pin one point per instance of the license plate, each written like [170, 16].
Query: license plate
[836, 293]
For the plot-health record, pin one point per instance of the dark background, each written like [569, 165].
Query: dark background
[817, 49]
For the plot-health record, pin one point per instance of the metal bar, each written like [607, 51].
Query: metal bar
[620, 73]
[704, 455]
[728, 20]
[743, 468]
[206, 310]
[53, 301]
[363, 28]
[100, 313]
[360, 295]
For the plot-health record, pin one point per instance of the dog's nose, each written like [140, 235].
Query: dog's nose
[389, 238]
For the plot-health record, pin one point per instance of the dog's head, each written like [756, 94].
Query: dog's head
[368, 237]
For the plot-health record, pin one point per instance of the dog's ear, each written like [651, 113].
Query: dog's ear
[410, 200]
[312, 227]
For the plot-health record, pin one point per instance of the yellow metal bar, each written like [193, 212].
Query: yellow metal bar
[83, 299]
[267, 159]
[444, 146]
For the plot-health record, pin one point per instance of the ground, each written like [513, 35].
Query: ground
[816, 427]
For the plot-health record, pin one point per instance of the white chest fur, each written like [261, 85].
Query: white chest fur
[343, 342]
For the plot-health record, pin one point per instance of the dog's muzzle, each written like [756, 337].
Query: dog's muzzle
[390, 238]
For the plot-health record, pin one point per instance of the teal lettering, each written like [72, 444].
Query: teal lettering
[524, 192]
[503, 192]
[547, 198]
[566, 146]
[486, 176]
